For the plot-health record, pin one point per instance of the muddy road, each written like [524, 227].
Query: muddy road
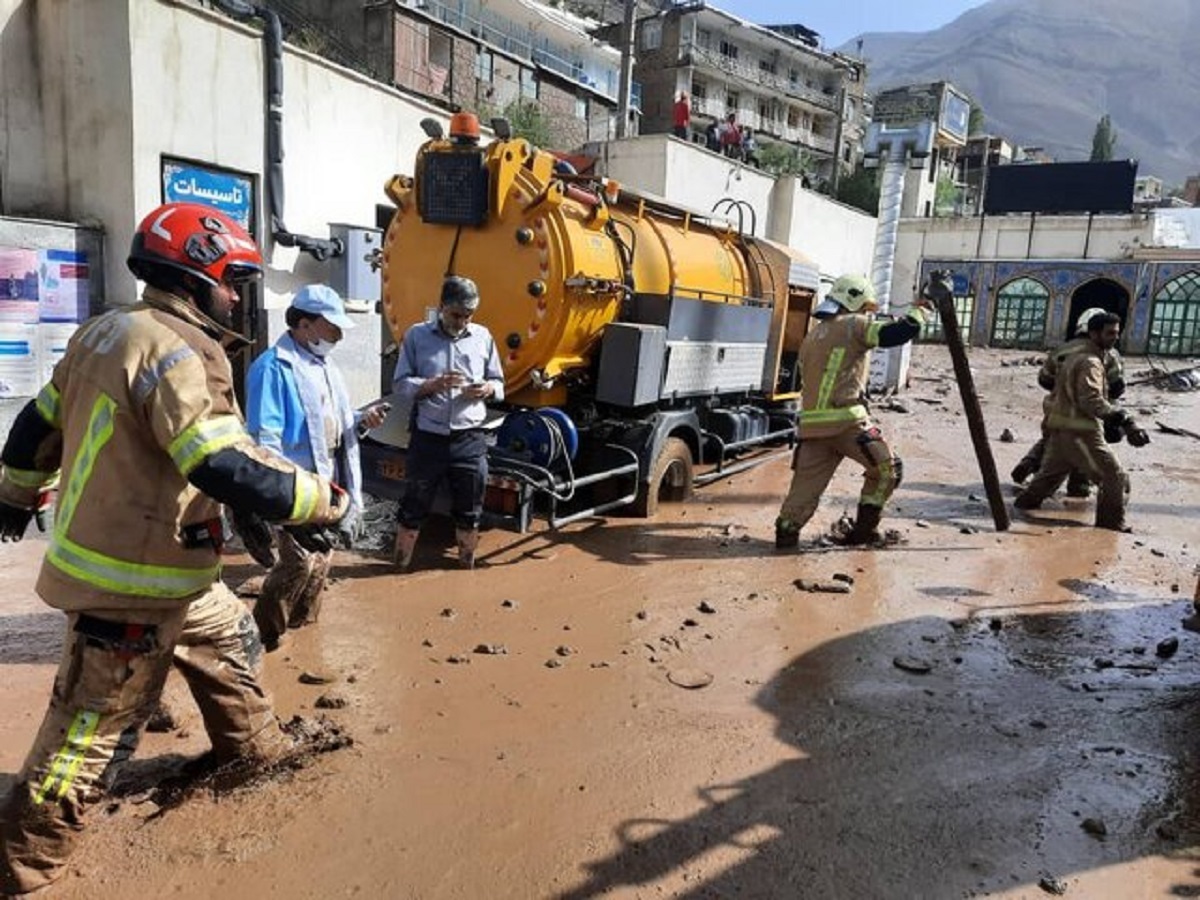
[656, 709]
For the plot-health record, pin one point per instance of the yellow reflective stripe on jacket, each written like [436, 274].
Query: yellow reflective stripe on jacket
[99, 431]
[69, 759]
[123, 577]
[1070, 423]
[49, 406]
[203, 439]
[833, 367]
[307, 496]
[30, 478]
[873, 330]
[833, 415]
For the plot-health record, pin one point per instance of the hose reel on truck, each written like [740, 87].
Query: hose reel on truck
[642, 324]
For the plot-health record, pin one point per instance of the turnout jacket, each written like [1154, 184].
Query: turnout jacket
[1080, 401]
[141, 418]
[834, 358]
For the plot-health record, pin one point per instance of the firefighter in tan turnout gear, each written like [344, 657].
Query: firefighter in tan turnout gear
[834, 424]
[1079, 417]
[141, 419]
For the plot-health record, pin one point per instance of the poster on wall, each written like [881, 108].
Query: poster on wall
[52, 346]
[63, 286]
[230, 192]
[19, 373]
[18, 285]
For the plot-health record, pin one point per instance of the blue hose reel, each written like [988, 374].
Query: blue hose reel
[544, 437]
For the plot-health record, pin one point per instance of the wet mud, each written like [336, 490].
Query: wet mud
[670, 708]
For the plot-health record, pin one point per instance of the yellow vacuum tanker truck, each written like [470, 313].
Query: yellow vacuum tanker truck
[646, 347]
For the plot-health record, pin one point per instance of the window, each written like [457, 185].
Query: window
[581, 108]
[699, 90]
[732, 101]
[728, 49]
[964, 310]
[483, 66]
[793, 76]
[793, 117]
[651, 34]
[766, 67]
[704, 38]
[1175, 319]
[1021, 315]
[764, 111]
[529, 88]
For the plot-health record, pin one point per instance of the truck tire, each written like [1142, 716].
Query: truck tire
[670, 479]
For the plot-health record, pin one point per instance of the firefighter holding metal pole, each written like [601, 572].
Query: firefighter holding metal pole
[834, 424]
[140, 418]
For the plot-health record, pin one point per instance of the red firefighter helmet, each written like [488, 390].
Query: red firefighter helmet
[197, 239]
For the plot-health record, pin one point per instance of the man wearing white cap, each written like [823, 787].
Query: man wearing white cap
[297, 405]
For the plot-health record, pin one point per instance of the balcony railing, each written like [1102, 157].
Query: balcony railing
[510, 37]
[757, 77]
[776, 128]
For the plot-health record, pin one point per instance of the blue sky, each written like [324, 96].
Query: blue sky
[840, 20]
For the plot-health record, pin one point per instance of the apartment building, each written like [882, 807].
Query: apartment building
[477, 55]
[774, 79]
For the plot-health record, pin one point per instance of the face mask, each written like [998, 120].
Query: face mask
[321, 347]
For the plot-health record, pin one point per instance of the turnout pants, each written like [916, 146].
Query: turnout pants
[1088, 452]
[819, 457]
[291, 592]
[109, 681]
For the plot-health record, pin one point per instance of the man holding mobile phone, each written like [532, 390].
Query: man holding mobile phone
[447, 371]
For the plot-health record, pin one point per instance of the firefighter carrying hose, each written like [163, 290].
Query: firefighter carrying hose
[833, 419]
[141, 419]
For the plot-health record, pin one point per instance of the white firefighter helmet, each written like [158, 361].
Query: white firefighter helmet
[1081, 324]
[854, 293]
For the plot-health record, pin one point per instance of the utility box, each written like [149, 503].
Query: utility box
[632, 359]
[352, 274]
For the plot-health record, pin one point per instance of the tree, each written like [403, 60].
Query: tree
[946, 197]
[975, 121]
[783, 159]
[861, 190]
[527, 119]
[1103, 140]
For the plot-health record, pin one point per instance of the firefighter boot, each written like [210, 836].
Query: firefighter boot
[866, 527]
[406, 543]
[787, 535]
[468, 540]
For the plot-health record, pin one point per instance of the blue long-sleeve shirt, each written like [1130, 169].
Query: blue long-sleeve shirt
[426, 352]
[290, 395]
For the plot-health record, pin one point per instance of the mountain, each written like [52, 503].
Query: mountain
[1045, 71]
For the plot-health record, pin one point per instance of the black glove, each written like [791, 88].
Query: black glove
[1113, 433]
[1136, 436]
[256, 535]
[313, 538]
[14, 520]
[1118, 418]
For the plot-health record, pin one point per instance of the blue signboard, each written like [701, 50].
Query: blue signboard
[231, 193]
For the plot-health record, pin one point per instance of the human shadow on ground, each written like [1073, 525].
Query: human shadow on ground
[973, 778]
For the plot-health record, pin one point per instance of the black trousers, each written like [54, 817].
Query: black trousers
[459, 457]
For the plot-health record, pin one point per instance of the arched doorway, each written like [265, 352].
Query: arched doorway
[1101, 293]
[1175, 320]
[1020, 321]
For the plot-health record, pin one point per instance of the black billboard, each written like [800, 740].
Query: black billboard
[1078, 187]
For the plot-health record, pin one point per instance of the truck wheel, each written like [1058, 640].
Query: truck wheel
[670, 479]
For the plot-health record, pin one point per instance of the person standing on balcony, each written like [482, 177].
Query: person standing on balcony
[731, 137]
[683, 117]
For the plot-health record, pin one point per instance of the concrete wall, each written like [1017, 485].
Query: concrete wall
[839, 238]
[1015, 238]
[689, 176]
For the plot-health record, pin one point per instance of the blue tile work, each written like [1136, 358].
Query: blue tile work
[1142, 280]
